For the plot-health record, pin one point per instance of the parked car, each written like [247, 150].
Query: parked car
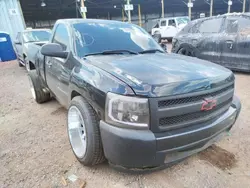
[167, 28]
[28, 43]
[224, 40]
[129, 101]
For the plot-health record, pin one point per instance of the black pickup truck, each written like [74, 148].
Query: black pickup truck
[129, 101]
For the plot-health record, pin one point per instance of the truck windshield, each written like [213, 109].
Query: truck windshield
[183, 20]
[36, 36]
[94, 38]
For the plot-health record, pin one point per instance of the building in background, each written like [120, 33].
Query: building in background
[11, 17]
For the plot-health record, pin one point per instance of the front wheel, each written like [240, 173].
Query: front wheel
[84, 132]
[186, 52]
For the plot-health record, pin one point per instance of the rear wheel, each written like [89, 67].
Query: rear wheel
[39, 93]
[84, 132]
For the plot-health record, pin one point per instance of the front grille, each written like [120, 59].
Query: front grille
[186, 100]
[170, 113]
[204, 115]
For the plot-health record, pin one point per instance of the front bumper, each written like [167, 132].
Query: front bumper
[143, 149]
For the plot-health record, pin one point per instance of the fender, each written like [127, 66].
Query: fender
[93, 84]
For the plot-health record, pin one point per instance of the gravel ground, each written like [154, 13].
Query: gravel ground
[35, 152]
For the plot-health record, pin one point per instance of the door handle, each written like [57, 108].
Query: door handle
[230, 44]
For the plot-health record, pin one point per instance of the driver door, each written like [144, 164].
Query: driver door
[58, 69]
[168, 28]
[172, 29]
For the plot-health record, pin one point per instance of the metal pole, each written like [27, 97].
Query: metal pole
[76, 9]
[229, 9]
[83, 13]
[139, 15]
[189, 10]
[244, 6]
[211, 7]
[21, 13]
[162, 9]
[129, 13]
[123, 17]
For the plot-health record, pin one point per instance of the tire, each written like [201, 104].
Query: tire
[186, 52]
[39, 93]
[84, 132]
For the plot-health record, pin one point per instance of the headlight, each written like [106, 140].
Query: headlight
[127, 112]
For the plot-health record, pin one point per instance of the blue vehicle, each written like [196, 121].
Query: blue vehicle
[7, 52]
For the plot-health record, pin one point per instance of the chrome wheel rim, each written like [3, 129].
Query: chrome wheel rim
[32, 89]
[77, 132]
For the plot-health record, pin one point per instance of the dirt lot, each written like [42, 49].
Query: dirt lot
[35, 152]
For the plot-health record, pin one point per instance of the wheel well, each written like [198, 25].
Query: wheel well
[74, 94]
[32, 66]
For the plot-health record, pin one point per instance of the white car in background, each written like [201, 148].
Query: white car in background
[28, 43]
[167, 28]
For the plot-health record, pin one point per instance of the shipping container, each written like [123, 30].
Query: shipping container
[11, 17]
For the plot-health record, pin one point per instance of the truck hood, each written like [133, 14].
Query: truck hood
[157, 75]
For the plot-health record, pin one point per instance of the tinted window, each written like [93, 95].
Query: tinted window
[244, 26]
[163, 23]
[211, 26]
[171, 22]
[239, 25]
[98, 37]
[36, 36]
[231, 25]
[61, 36]
[195, 28]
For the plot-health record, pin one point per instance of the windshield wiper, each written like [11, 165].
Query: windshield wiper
[108, 52]
[151, 51]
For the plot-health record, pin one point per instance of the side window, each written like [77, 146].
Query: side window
[195, 28]
[61, 36]
[231, 25]
[171, 23]
[163, 23]
[211, 26]
[244, 26]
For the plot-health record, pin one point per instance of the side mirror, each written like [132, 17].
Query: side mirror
[53, 50]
